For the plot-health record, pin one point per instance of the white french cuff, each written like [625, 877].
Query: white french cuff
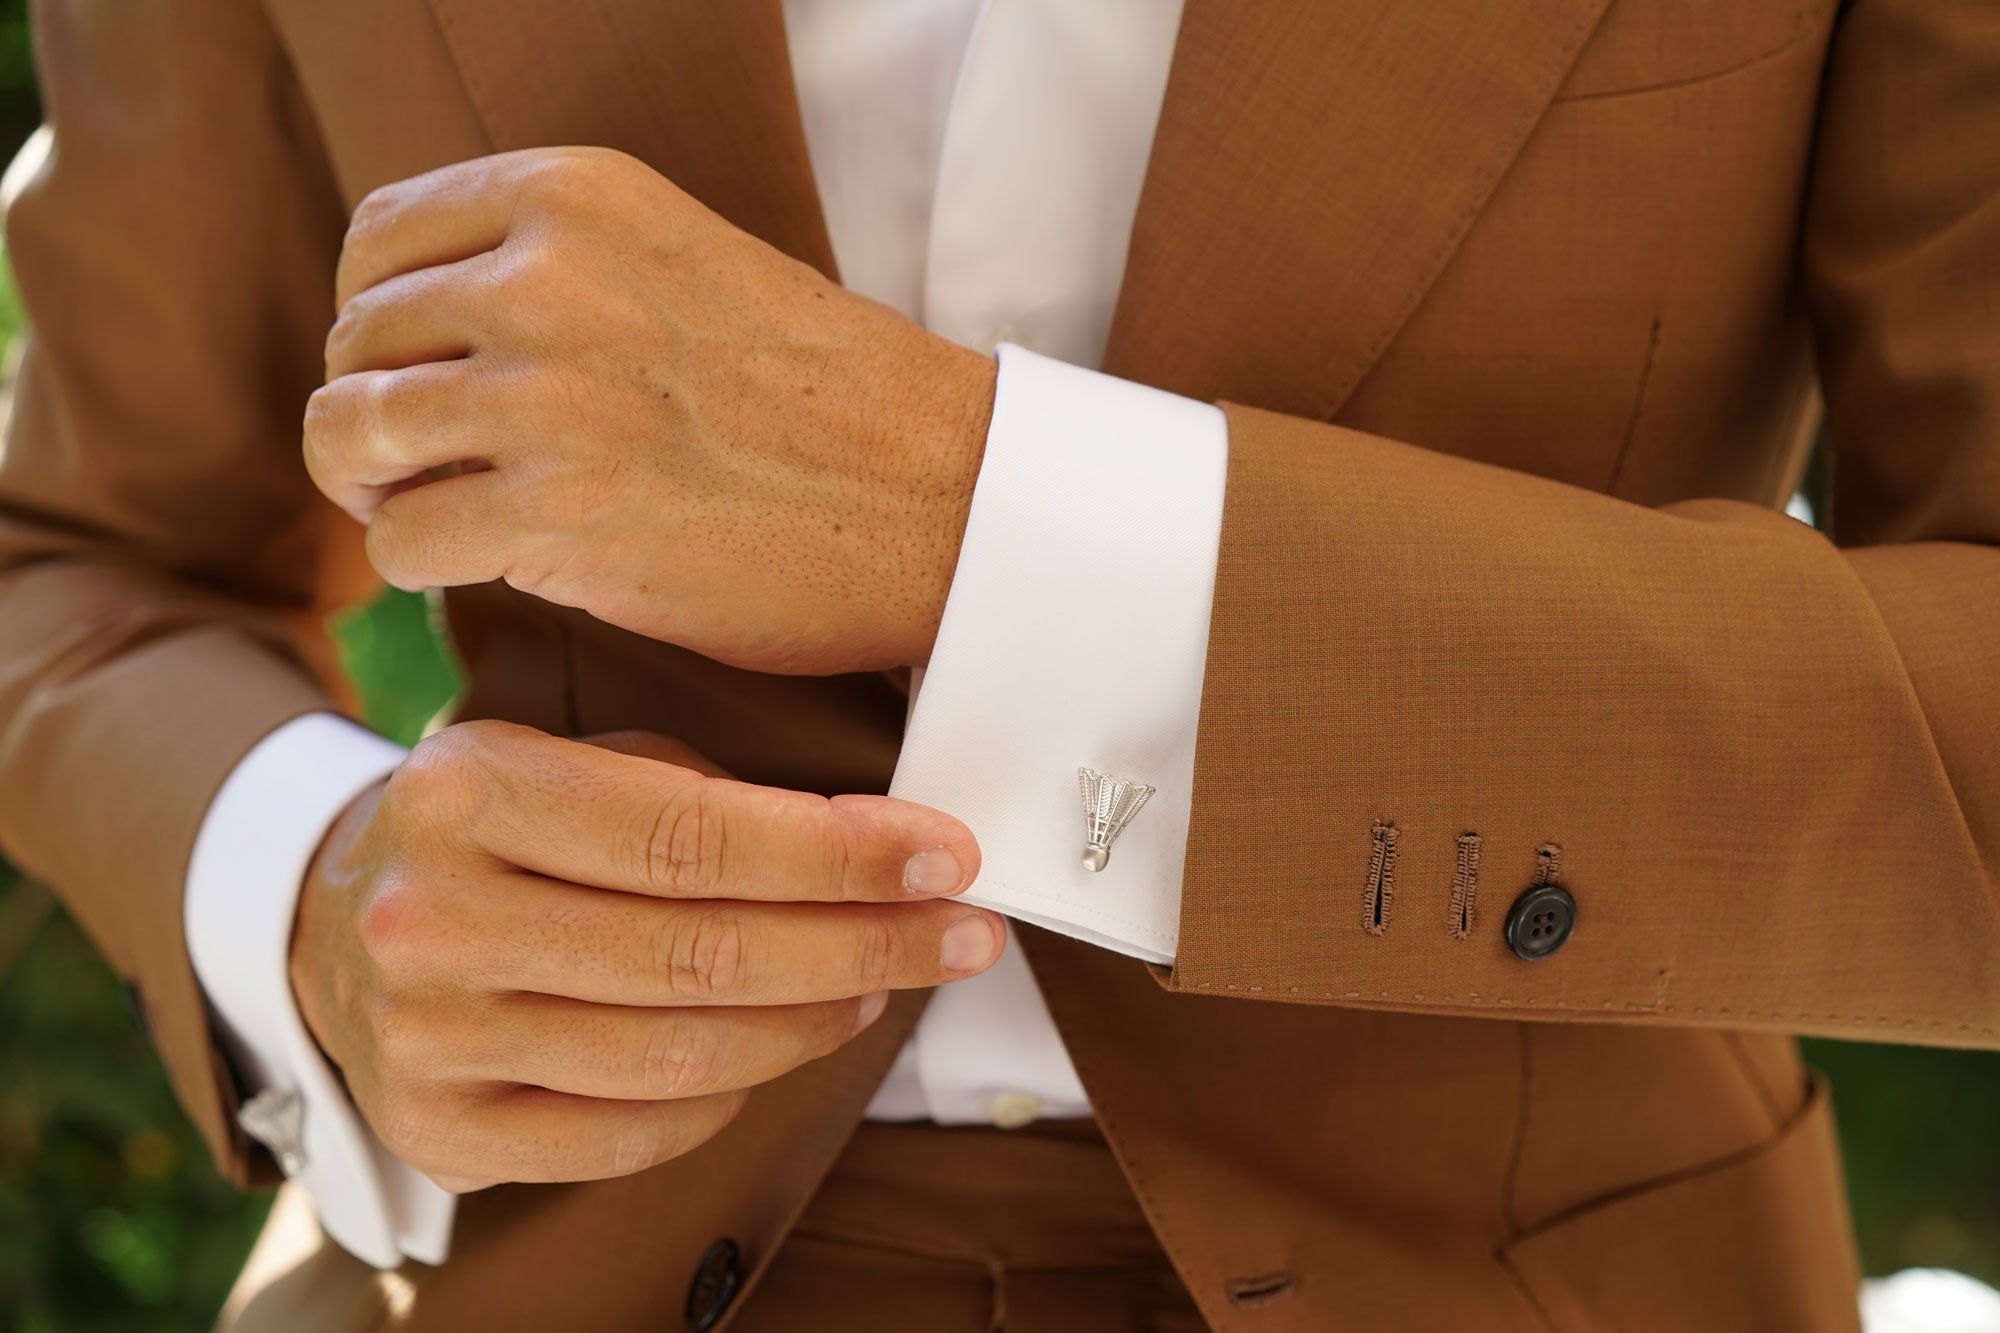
[249, 862]
[1075, 637]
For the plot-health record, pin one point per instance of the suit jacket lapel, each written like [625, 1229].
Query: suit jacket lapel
[1376, 131]
[1370, 133]
[700, 91]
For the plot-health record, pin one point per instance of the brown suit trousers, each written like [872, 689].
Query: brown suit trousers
[1523, 310]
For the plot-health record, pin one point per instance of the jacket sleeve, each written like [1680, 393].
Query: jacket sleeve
[1766, 765]
[158, 535]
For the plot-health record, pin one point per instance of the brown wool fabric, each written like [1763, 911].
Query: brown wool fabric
[1524, 314]
[971, 1230]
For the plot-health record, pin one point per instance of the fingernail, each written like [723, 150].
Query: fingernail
[969, 945]
[933, 872]
[871, 1009]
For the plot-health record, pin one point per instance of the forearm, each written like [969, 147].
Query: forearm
[160, 587]
[1767, 760]
[250, 860]
[125, 702]
[1753, 752]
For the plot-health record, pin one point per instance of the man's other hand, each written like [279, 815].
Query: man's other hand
[555, 368]
[537, 959]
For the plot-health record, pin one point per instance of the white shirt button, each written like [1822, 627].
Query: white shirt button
[1012, 1110]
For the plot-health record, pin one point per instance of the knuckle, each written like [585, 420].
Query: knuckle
[551, 176]
[373, 213]
[386, 403]
[328, 424]
[528, 268]
[599, 158]
[672, 1131]
[680, 1060]
[324, 409]
[878, 951]
[843, 880]
[832, 1027]
[395, 549]
[390, 922]
[350, 329]
[571, 176]
[368, 228]
[394, 1035]
[434, 772]
[471, 748]
[486, 735]
[475, 763]
[449, 766]
[701, 954]
[638, 1141]
[357, 410]
[321, 406]
[410, 1128]
[684, 846]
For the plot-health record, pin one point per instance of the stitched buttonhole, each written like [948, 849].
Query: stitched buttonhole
[1548, 861]
[1465, 886]
[1247, 1293]
[1381, 886]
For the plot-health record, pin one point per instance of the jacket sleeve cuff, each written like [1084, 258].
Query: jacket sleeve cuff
[1074, 637]
[250, 858]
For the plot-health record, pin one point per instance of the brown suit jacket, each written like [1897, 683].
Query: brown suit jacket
[1523, 303]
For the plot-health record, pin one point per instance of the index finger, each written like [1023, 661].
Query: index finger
[440, 217]
[575, 812]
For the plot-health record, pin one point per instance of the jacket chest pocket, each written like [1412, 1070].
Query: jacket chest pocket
[1644, 44]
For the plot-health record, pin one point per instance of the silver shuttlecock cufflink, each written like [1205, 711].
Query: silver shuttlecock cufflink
[1109, 803]
[277, 1119]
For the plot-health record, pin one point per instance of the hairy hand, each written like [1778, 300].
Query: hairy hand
[536, 959]
[553, 367]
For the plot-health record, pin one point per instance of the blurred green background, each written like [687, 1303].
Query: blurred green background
[111, 1217]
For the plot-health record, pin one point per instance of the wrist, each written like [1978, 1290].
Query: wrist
[325, 910]
[961, 411]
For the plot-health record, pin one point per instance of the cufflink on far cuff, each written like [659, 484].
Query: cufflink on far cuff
[1109, 804]
[276, 1118]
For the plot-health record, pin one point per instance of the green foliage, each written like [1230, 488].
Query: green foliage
[395, 657]
[20, 107]
[111, 1216]
[1923, 1162]
[12, 319]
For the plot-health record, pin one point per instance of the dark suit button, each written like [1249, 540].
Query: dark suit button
[1540, 921]
[716, 1279]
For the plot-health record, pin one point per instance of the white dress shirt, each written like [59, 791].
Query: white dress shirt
[979, 164]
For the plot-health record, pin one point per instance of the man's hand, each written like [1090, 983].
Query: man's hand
[553, 367]
[536, 959]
